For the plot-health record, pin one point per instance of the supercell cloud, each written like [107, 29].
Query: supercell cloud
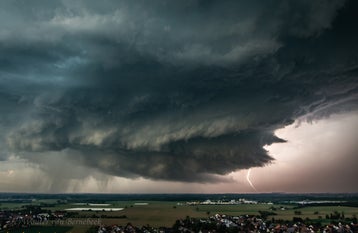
[170, 90]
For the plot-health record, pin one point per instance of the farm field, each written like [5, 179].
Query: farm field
[43, 229]
[162, 213]
[165, 214]
[158, 214]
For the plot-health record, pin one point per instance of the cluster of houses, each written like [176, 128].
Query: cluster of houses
[222, 202]
[129, 228]
[12, 219]
[224, 223]
[215, 223]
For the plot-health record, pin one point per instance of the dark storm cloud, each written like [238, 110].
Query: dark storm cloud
[181, 90]
[191, 160]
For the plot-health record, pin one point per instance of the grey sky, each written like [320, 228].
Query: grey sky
[179, 91]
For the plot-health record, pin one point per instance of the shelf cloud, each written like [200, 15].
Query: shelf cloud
[170, 90]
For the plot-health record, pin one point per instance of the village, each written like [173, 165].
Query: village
[34, 216]
[24, 219]
[222, 202]
[224, 223]
[172, 213]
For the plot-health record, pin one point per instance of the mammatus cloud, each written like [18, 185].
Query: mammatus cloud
[183, 91]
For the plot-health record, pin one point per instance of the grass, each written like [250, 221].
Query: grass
[158, 213]
[243, 209]
[155, 214]
[166, 213]
[309, 212]
[18, 205]
[43, 229]
[12, 206]
[78, 229]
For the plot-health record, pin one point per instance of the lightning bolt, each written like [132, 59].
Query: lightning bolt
[248, 179]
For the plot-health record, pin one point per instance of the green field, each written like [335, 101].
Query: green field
[165, 213]
[317, 212]
[18, 205]
[43, 229]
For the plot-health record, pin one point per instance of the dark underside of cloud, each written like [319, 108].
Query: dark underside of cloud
[177, 90]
